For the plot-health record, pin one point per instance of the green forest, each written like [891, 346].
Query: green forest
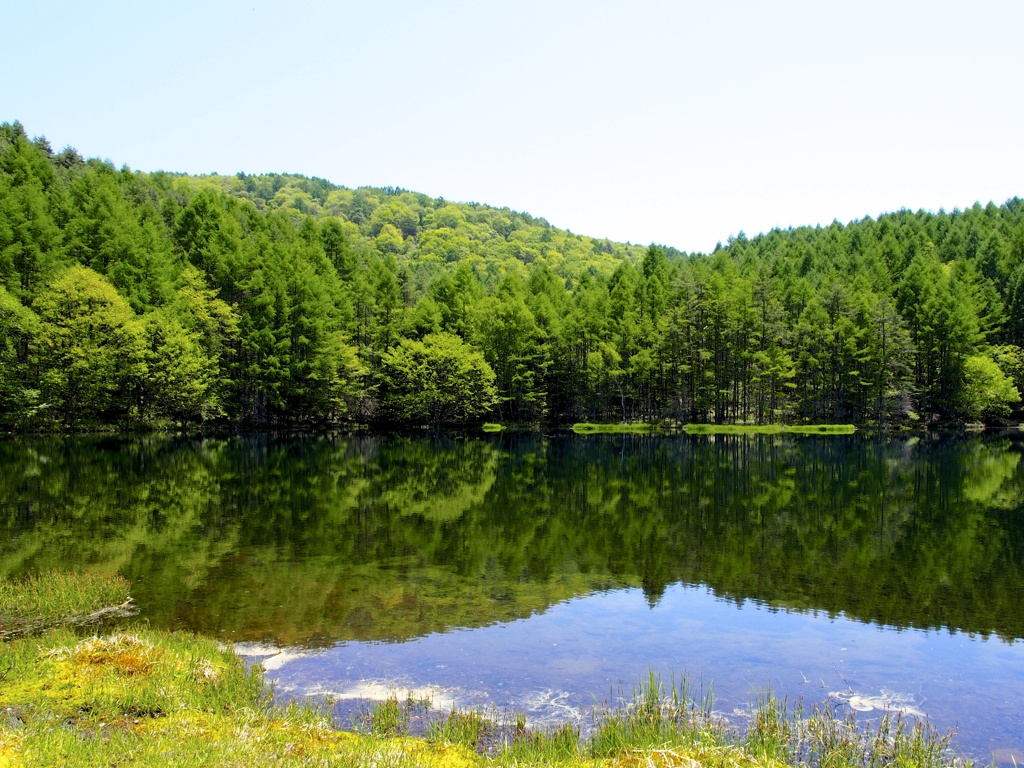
[141, 300]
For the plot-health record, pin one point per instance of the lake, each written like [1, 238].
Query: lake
[547, 575]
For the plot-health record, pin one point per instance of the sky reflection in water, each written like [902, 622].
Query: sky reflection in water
[588, 650]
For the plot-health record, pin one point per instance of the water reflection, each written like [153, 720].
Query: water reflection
[316, 540]
[856, 566]
[596, 649]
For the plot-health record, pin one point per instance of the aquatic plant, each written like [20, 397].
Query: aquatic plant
[464, 727]
[389, 718]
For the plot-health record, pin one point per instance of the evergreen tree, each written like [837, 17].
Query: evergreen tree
[19, 328]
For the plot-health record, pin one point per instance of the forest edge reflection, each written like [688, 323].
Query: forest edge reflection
[316, 540]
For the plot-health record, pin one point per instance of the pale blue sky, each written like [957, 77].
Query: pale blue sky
[674, 122]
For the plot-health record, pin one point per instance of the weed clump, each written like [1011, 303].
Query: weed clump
[38, 602]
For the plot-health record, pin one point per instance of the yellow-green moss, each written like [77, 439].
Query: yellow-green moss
[251, 739]
[125, 674]
[160, 699]
[154, 698]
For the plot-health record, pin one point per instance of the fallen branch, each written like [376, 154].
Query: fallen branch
[125, 610]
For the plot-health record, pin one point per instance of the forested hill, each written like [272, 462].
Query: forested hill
[135, 299]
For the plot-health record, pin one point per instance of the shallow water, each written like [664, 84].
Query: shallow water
[596, 649]
[547, 576]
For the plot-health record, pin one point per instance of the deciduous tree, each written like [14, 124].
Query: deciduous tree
[438, 380]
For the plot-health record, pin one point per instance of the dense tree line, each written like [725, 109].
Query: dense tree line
[129, 298]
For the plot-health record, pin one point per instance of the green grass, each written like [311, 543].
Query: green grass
[822, 429]
[637, 428]
[642, 428]
[34, 603]
[142, 697]
[389, 718]
[525, 747]
[769, 429]
[463, 727]
[161, 699]
[490, 426]
[656, 718]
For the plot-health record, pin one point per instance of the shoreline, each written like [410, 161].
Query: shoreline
[158, 698]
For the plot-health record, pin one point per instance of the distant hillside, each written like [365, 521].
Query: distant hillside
[423, 233]
[134, 299]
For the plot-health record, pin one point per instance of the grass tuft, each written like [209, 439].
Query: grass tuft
[561, 746]
[656, 718]
[462, 727]
[389, 718]
[37, 602]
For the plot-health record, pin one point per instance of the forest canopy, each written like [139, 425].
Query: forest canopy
[159, 299]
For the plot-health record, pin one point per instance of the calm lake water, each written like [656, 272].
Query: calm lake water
[547, 575]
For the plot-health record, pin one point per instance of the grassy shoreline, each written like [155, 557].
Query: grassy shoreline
[145, 697]
[51, 600]
[643, 428]
[769, 429]
[618, 428]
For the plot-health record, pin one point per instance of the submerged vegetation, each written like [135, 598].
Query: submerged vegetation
[132, 299]
[160, 699]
